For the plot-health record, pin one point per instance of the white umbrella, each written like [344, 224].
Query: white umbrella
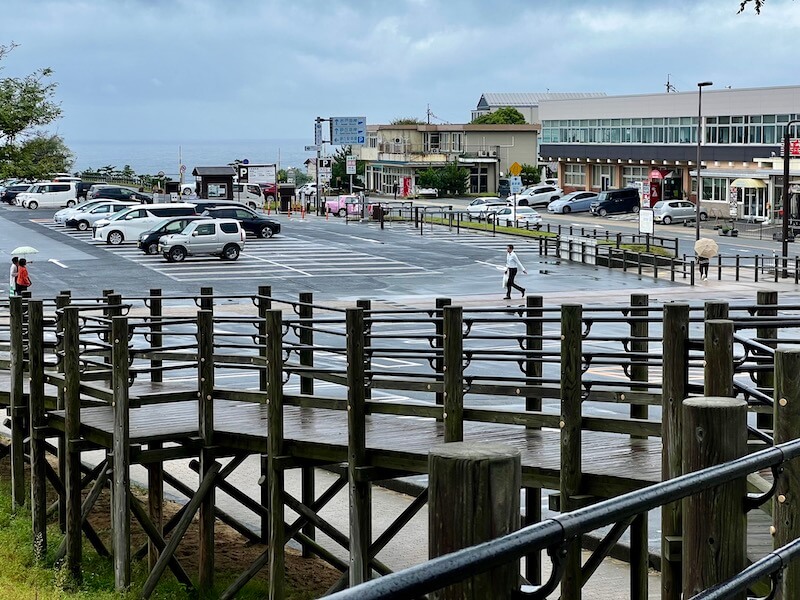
[707, 248]
[24, 251]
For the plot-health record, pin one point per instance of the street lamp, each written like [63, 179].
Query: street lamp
[699, 196]
[785, 203]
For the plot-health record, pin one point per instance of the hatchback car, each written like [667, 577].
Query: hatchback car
[673, 211]
[251, 221]
[538, 196]
[10, 193]
[116, 192]
[509, 216]
[480, 207]
[574, 202]
[148, 240]
[84, 220]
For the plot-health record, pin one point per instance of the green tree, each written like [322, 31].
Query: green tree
[453, 180]
[36, 157]
[529, 174]
[508, 115]
[406, 121]
[429, 178]
[339, 176]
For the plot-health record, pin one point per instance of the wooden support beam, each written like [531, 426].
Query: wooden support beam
[113, 309]
[156, 337]
[155, 503]
[263, 303]
[714, 523]
[38, 421]
[766, 379]
[275, 476]
[534, 329]
[72, 419]
[17, 342]
[786, 508]
[306, 338]
[718, 353]
[438, 344]
[453, 367]
[88, 503]
[121, 442]
[360, 491]
[205, 411]
[62, 301]
[675, 377]
[570, 477]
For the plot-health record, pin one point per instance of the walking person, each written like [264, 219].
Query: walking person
[513, 265]
[12, 282]
[23, 279]
[702, 264]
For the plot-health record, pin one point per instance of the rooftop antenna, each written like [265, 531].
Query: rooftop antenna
[669, 86]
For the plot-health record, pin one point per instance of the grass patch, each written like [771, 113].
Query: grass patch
[639, 248]
[483, 226]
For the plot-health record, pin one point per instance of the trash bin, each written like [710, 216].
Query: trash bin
[377, 212]
[286, 202]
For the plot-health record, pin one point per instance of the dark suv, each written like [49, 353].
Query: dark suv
[82, 188]
[148, 241]
[116, 192]
[251, 221]
[616, 201]
[10, 193]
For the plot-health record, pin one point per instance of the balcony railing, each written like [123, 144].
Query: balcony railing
[465, 150]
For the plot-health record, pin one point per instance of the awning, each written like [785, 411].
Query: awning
[746, 182]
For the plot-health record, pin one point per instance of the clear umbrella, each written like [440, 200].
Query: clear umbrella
[24, 251]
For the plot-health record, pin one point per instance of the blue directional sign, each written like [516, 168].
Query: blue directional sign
[347, 131]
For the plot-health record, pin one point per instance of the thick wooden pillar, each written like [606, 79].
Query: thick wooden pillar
[156, 338]
[17, 406]
[360, 489]
[786, 508]
[205, 388]
[438, 344]
[72, 467]
[714, 522]
[474, 497]
[274, 474]
[453, 337]
[120, 499]
[675, 376]
[38, 423]
[767, 336]
[263, 304]
[570, 483]
[718, 354]
[306, 335]
[533, 369]
[62, 301]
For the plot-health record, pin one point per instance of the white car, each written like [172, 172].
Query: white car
[480, 207]
[128, 224]
[427, 192]
[51, 194]
[61, 216]
[307, 190]
[539, 196]
[85, 219]
[508, 216]
[224, 238]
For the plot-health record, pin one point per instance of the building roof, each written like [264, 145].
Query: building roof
[489, 99]
[213, 171]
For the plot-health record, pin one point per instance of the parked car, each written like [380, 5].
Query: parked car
[10, 193]
[61, 216]
[148, 240]
[128, 224]
[49, 195]
[249, 194]
[251, 221]
[118, 192]
[616, 201]
[344, 204]
[427, 192]
[538, 196]
[480, 207]
[215, 237]
[270, 191]
[307, 190]
[508, 216]
[574, 202]
[669, 211]
[84, 220]
[503, 187]
[83, 188]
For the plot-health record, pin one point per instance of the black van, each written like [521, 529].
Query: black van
[503, 187]
[616, 201]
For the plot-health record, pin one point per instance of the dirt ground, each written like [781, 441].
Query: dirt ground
[233, 553]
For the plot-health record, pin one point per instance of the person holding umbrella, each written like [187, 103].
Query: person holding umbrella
[705, 249]
[12, 282]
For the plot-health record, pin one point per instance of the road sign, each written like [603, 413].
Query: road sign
[348, 131]
[325, 166]
[261, 173]
[515, 169]
[318, 133]
[183, 169]
[243, 174]
[314, 148]
[351, 165]
[515, 184]
[646, 221]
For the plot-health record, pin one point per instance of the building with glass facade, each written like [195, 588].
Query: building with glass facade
[650, 142]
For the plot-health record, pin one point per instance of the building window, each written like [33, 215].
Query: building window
[715, 188]
[631, 175]
[574, 175]
[456, 142]
[602, 171]
[432, 142]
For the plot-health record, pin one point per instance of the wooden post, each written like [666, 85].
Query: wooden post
[713, 309]
[786, 518]
[453, 337]
[17, 401]
[155, 503]
[360, 490]
[263, 304]
[718, 353]
[62, 301]
[205, 410]
[156, 338]
[767, 336]
[120, 500]
[274, 474]
[207, 298]
[366, 304]
[38, 423]
[438, 344]
[306, 338]
[675, 377]
[72, 418]
[533, 369]
[113, 309]
[714, 523]
[571, 358]
[474, 497]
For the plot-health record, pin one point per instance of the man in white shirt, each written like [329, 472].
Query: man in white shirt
[12, 283]
[512, 266]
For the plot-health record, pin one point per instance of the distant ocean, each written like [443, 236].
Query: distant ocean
[148, 158]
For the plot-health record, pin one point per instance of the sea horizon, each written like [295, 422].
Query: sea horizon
[148, 157]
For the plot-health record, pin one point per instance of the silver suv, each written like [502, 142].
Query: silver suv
[216, 237]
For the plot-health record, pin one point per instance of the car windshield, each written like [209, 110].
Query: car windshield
[659, 204]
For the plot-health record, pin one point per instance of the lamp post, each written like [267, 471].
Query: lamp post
[699, 196]
[785, 202]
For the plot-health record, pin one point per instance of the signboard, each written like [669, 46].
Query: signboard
[646, 221]
[318, 133]
[515, 184]
[260, 173]
[515, 169]
[794, 148]
[351, 165]
[325, 167]
[348, 131]
[733, 200]
[314, 148]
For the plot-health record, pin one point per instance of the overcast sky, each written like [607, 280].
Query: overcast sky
[262, 69]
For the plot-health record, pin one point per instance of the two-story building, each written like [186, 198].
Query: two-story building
[396, 154]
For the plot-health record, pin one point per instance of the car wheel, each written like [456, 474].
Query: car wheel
[70, 203]
[342, 212]
[83, 225]
[152, 248]
[265, 232]
[167, 256]
[230, 252]
[602, 212]
[566, 210]
[33, 205]
[635, 209]
[666, 220]
[251, 205]
[115, 238]
[270, 198]
[703, 217]
[177, 254]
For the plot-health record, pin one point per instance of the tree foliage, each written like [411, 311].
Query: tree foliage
[508, 115]
[339, 176]
[757, 5]
[26, 104]
[530, 174]
[406, 121]
[449, 180]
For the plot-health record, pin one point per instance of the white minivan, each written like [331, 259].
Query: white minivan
[248, 194]
[52, 194]
[128, 224]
